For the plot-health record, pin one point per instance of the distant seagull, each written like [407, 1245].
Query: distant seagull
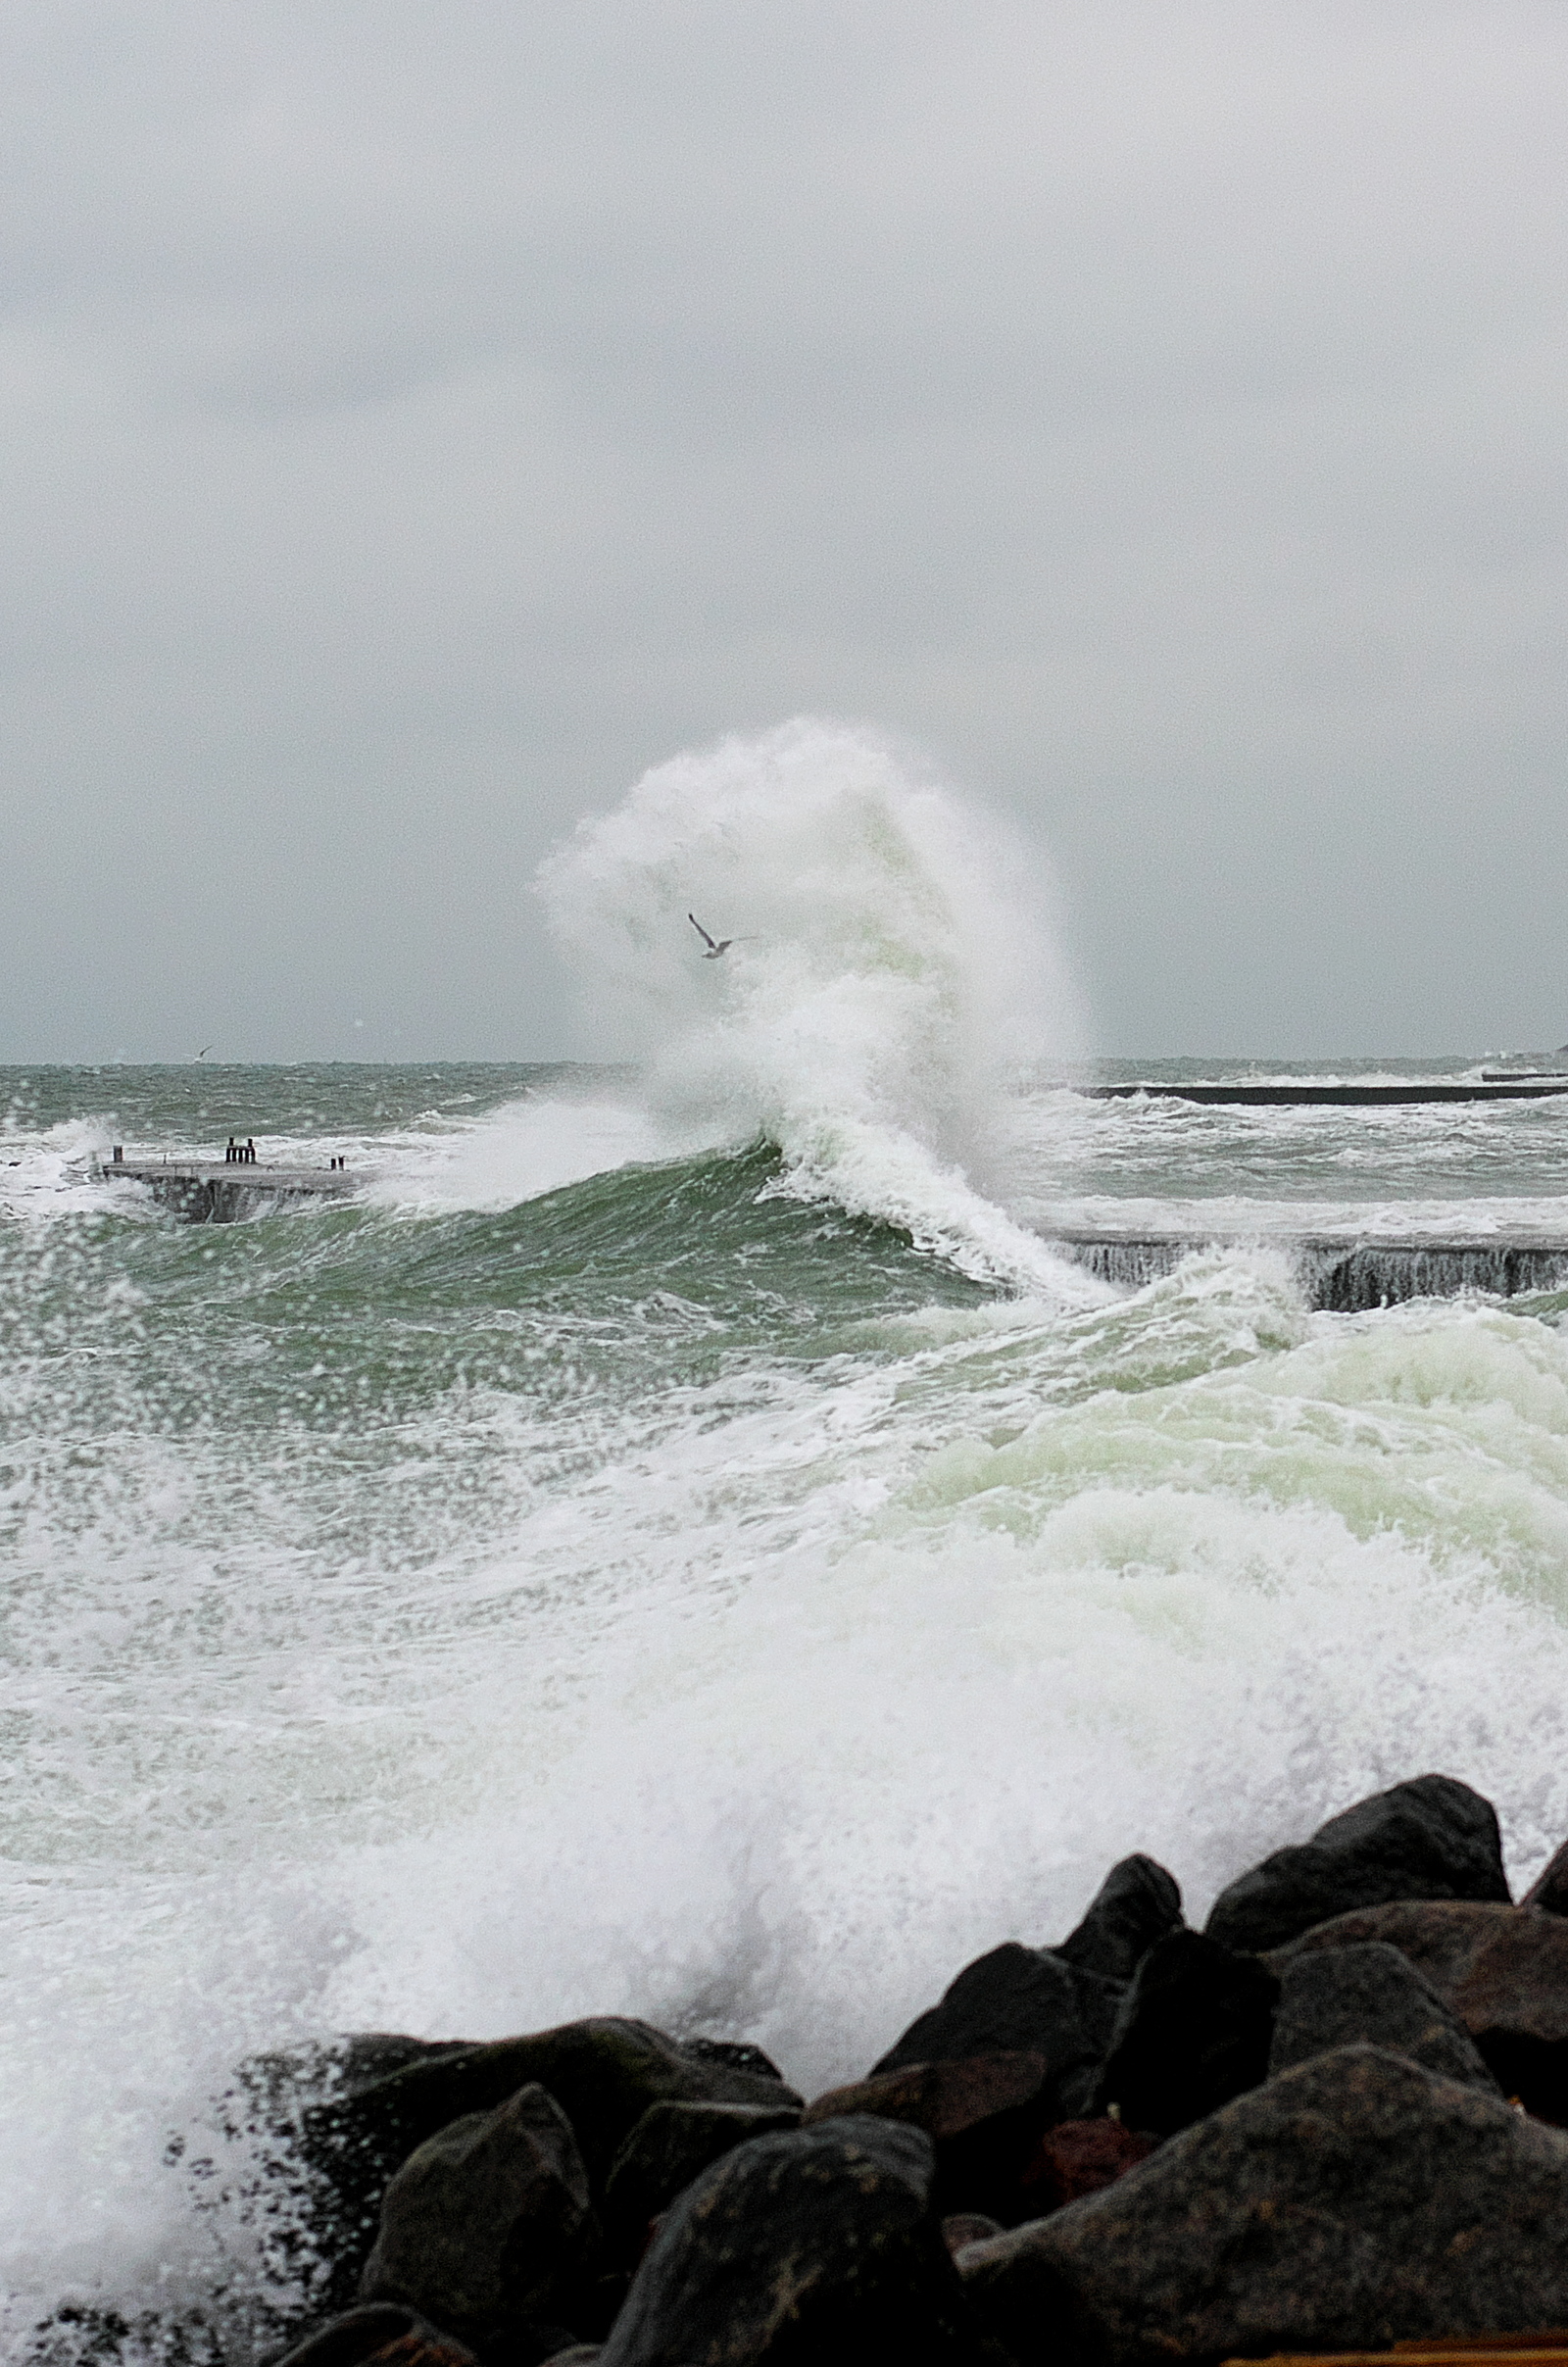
[205, 1050]
[714, 946]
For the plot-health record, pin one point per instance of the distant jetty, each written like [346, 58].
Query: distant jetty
[223, 1191]
[1263, 1095]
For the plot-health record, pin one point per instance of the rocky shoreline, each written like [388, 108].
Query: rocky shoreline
[1331, 2120]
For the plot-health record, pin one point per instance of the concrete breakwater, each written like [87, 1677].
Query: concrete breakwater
[223, 1190]
[1339, 1274]
[1343, 1276]
[1265, 1095]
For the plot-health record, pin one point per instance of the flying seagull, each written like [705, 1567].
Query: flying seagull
[205, 1050]
[714, 946]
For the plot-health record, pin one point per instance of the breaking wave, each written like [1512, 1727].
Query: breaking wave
[890, 963]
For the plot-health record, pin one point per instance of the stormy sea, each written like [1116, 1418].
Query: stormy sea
[682, 1537]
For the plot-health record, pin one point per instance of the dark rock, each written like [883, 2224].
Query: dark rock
[1349, 2203]
[357, 2335]
[274, 2088]
[592, 2307]
[487, 2223]
[1432, 1838]
[983, 2115]
[1194, 2032]
[374, 2054]
[1136, 1905]
[581, 2354]
[1502, 1971]
[670, 2145]
[945, 2098]
[1079, 2158]
[605, 2073]
[423, 2348]
[1441, 1937]
[739, 2056]
[1372, 1995]
[1020, 2001]
[818, 2245]
[1514, 2003]
[534, 2346]
[969, 2227]
[1549, 1890]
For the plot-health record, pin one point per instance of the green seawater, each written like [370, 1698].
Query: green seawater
[598, 1567]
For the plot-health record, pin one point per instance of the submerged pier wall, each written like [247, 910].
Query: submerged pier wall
[1346, 1276]
[227, 1191]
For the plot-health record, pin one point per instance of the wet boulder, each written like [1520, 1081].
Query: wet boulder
[375, 2054]
[961, 2228]
[815, 2246]
[1441, 1938]
[983, 2115]
[359, 2334]
[1350, 2204]
[276, 2105]
[488, 2225]
[1194, 2030]
[603, 2072]
[1014, 2000]
[1502, 1971]
[1549, 1891]
[1371, 1995]
[1432, 1838]
[671, 2144]
[1136, 1905]
[1514, 2003]
[736, 2055]
[425, 2347]
[1079, 2158]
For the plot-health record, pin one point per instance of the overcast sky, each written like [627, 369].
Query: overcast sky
[420, 418]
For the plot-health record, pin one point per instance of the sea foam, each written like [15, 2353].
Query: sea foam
[479, 1609]
[892, 958]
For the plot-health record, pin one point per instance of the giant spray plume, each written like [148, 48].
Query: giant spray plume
[892, 959]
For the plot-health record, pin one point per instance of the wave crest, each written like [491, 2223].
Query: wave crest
[892, 959]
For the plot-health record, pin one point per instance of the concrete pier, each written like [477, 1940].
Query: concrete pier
[1338, 1271]
[221, 1192]
[1264, 1096]
[1343, 1275]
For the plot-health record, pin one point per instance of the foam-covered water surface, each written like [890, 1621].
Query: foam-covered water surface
[680, 1541]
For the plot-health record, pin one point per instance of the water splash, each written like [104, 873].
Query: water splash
[892, 958]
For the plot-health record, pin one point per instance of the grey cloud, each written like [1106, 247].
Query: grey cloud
[418, 420]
